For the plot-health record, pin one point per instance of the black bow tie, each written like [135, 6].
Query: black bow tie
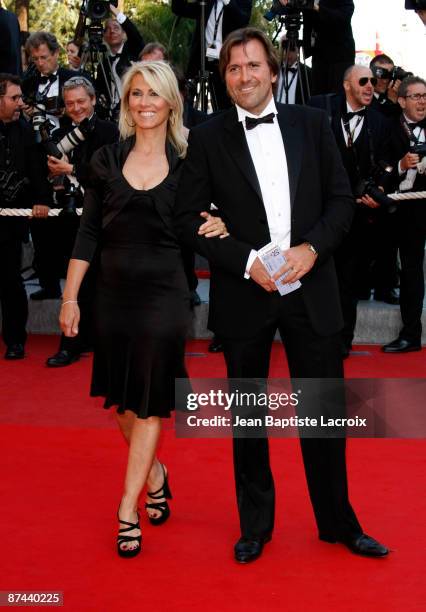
[292, 70]
[251, 122]
[420, 124]
[47, 79]
[115, 57]
[351, 115]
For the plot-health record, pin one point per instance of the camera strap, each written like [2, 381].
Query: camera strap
[414, 140]
[285, 84]
[351, 145]
[216, 22]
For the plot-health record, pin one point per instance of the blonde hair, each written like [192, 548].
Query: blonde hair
[160, 77]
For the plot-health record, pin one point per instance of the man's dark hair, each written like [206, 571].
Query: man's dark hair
[42, 38]
[242, 37]
[410, 80]
[153, 46]
[6, 79]
[381, 59]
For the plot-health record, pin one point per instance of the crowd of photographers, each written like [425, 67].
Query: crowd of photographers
[55, 117]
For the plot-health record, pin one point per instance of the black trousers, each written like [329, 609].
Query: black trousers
[412, 233]
[13, 298]
[309, 356]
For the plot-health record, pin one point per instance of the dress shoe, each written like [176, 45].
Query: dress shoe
[400, 345]
[367, 546]
[61, 359]
[44, 294]
[215, 345]
[15, 351]
[249, 549]
[389, 297]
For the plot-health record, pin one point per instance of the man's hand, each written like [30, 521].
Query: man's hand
[114, 10]
[368, 201]
[40, 211]
[410, 160]
[392, 92]
[214, 226]
[260, 276]
[300, 260]
[59, 166]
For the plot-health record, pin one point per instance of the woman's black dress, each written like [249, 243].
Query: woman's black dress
[142, 302]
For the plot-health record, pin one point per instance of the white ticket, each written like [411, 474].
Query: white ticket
[273, 259]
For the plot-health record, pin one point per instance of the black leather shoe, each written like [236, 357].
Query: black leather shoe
[61, 359]
[367, 546]
[389, 297]
[249, 549]
[215, 345]
[400, 345]
[44, 294]
[15, 351]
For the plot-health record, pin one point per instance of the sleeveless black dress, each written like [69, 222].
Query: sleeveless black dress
[141, 309]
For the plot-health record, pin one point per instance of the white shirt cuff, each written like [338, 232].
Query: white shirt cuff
[400, 171]
[226, 2]
[121, 18]
[250, 261]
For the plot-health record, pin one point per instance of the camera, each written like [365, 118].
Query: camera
[381, 174]
[396, 74]
[293, 6]
[98, 9]
[415, 5]
[419, 149]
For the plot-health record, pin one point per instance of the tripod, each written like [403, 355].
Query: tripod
[202, 86]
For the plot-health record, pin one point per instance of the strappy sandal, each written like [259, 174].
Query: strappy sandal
[128, 552]
[162, 507]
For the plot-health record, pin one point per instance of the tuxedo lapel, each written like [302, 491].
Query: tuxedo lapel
[293, 145]
[237, 146]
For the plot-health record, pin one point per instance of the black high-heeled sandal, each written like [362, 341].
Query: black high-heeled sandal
[128, 552]
[162, 507]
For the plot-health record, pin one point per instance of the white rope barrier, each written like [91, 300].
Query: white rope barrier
[409, 195]
[28, 212]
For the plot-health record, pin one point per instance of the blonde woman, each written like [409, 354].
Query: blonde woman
[142, 299]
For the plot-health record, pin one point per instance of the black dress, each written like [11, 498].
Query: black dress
[142, 301]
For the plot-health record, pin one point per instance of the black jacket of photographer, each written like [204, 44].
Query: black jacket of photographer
[32, 79]
[236, 15]
[130, 53]
[19, 152]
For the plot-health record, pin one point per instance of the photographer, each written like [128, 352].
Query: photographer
[222, 17]
[328, 38]
[125, 43]
[90, 133]
[389, 79]
[22, 184]
[408, 149]
[362, 136]
[42, 84]
[294, 79]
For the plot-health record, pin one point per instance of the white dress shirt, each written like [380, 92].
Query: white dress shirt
[216, 14]
[355, 124]
[267, 151]
[289, 80]
[419, 133]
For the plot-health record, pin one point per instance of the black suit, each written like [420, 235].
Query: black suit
[219, 169]
[32, 81]
[367, 256]
[334, 48]
[410, 220]
[29, 163]
[235, 15]
[10, 43]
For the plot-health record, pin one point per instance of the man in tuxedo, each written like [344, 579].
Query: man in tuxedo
[365, 256]
[222, 17]
[22, 184]
[10, 42]
[408, 136]
[79, 99]
[274, 173]
[125, 43]
[295, 78]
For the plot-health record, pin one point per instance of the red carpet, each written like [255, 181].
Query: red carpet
[61, 479]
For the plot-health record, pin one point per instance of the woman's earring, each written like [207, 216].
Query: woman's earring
[127, 121]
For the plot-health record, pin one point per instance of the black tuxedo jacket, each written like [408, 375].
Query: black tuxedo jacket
[399, 146]
[130, 53]
[235, 15]
[334, 42]
[32, 81]
[219, 169]
[10, 43]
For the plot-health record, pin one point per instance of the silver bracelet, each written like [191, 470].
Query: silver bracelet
[69, 302]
